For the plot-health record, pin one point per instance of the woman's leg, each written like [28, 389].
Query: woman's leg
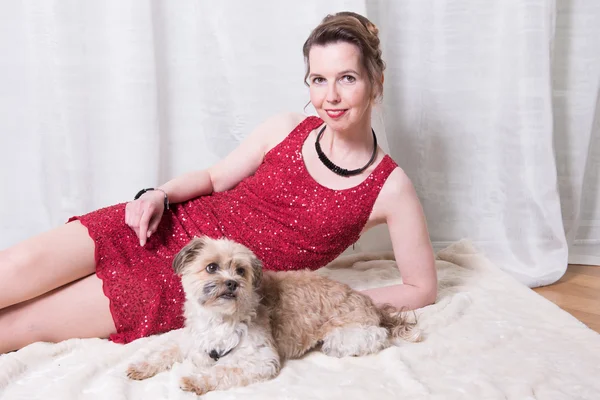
[45, 262]
[77, 310]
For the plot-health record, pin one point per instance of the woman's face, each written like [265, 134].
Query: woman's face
[340, 90]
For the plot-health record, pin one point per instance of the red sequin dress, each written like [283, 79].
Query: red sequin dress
[281, 213]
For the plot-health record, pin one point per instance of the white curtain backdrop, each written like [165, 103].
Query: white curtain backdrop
[491, 107]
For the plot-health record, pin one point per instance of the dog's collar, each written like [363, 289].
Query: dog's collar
[215, 355]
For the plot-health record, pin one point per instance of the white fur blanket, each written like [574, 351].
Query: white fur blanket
[487, 337]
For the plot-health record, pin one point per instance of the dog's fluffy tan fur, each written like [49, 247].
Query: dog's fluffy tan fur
[252, 320]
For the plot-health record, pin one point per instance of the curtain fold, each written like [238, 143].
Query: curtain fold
[576, 94]
[492, 109]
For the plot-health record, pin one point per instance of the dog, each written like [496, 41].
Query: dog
[242, 323]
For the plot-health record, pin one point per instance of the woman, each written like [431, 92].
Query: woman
[297, 191]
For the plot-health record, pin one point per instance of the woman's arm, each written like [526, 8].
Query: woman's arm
[144, 214]
[239, 164]
[400, 208]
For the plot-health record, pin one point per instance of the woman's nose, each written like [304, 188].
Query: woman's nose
[333, 96]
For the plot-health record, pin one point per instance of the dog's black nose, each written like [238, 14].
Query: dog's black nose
[231, 285]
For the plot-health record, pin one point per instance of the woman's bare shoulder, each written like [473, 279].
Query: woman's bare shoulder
[397, 186]
[285, 122]
[278, 126]
[396, 190]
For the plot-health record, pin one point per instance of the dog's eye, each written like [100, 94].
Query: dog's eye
[240, 271]
[212, 268]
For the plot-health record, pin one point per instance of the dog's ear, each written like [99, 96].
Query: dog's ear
[188, 254]
[257, 267]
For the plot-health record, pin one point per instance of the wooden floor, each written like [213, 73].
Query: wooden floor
[577, 292]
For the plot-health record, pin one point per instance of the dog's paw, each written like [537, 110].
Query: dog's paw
[340, 352]
[328, 351]
[193, 384]
[352, 341]
[140, 371]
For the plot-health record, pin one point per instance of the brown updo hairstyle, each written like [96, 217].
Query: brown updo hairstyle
[352, 28]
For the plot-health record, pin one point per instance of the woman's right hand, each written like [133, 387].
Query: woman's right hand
[144, 214]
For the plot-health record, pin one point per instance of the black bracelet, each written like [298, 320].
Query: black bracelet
[141, 192]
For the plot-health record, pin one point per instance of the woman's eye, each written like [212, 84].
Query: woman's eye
[318, 80]
[240, 271]
[348, 78]
[212, 268]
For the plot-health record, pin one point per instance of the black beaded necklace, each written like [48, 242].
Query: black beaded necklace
[339, 170]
